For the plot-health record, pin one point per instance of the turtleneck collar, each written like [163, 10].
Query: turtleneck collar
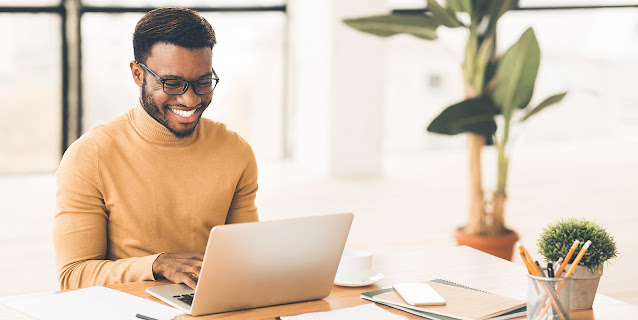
[155, 132]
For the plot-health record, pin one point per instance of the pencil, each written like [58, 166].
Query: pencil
[571, 269]
[566, 260]
[529, 270]
[520, 250]
[532, 265]
[536, 272]
[578, 258]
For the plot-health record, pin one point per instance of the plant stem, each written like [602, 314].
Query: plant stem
[503, 159]
[498, 213]
[476, 223]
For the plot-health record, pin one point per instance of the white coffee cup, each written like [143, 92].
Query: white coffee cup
[355, 266]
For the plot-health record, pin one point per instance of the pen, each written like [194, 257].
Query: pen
[538, 265]
[550, 269]
[141, 316]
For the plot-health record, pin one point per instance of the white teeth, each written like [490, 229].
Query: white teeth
[184, 114]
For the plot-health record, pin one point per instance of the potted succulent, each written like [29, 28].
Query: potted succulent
[555, 242]
[497, 88]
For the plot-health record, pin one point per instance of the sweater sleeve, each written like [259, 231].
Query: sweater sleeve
[242, 207]
[80, 226]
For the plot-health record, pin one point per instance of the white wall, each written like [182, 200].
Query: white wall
[336, 83]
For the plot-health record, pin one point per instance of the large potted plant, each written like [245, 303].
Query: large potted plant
[495, 87]
[556, 241]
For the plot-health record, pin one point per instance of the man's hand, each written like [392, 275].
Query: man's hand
[179, 267]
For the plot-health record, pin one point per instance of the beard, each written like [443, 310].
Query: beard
[154, 111]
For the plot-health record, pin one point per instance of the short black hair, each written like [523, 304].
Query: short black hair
[179, 26]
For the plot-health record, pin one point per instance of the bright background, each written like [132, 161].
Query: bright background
[337, 121]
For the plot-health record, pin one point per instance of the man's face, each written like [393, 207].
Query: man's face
[178, 113]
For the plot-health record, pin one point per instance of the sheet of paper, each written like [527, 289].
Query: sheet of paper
[367, 311]
[8, 313]
[97, 303]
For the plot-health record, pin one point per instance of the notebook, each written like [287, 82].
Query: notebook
[463, 303]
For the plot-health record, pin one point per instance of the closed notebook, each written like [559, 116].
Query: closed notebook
[462, 303]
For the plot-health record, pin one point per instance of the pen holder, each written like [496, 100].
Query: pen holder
[548, 298]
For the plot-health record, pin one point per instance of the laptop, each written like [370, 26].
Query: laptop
[257, 264]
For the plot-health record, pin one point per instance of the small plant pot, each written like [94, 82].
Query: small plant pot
[501, 246]
[584, 287]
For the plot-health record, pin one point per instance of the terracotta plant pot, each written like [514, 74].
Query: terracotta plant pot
[501, 246]
[584, 287]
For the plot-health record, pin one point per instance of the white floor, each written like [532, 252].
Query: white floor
[418, 202]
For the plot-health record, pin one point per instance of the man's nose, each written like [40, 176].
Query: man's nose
[190, 98]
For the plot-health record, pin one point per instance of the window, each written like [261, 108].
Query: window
[40, 119]
[249, 59]
[30, 87]
[589, 52]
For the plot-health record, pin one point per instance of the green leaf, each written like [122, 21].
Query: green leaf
[460, 5]
[418, 25]
[516, 74]
[471, 48]
[548, 102]
[472, 115]
[482, 57]
[490, 73]
[445, 16]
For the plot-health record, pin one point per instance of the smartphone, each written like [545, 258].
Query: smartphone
[419, 294]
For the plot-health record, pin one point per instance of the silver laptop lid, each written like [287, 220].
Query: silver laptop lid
[251, 265]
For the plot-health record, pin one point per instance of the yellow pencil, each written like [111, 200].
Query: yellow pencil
[529, 270]
[563, 265]
[578, 258]
[536, 272]
[524, 257]
[570, 271]
[533, 266]
[567, 257]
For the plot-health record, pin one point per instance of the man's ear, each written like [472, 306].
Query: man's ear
[138, 73]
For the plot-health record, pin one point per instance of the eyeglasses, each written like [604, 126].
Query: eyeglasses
[179, 86]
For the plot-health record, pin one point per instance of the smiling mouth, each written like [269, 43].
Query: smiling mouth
[184, 113]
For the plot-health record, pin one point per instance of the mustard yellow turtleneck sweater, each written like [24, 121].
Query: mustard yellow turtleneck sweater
[129, 190]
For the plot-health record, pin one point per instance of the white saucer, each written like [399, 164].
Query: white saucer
[371, 280]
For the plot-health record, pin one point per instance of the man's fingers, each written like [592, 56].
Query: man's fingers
[191, 271]
[196, 270]
[188, 280]
[176, 267]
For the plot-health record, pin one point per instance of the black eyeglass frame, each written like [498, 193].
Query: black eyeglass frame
[186, 85]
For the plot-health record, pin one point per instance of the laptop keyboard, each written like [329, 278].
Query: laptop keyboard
[186, 298]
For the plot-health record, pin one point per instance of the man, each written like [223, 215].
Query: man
[137, 196]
